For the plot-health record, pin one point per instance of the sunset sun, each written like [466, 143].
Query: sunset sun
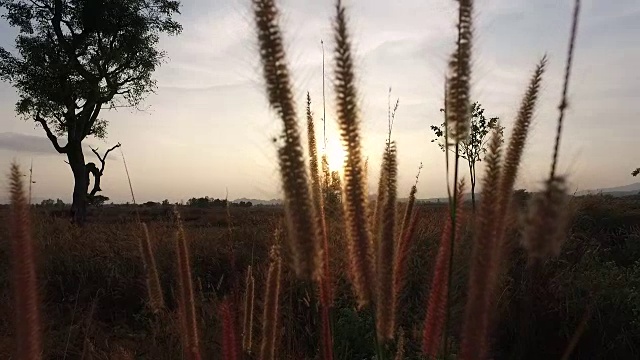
[335, 155]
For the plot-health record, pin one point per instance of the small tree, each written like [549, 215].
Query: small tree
[473, 148]
[78, 57]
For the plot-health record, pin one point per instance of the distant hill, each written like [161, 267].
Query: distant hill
[631, 189]
[259, 201]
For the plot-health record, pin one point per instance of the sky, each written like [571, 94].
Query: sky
[207, 129]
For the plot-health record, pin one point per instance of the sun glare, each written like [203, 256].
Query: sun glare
[335, 155]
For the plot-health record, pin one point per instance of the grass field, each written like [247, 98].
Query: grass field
[93, 288]
[333, 273]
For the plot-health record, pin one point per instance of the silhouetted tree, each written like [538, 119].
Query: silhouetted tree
[473, 148]
[77, 57]
[97, 200]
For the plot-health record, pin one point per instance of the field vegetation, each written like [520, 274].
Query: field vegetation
[332, 273]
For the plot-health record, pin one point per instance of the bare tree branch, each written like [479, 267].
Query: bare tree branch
[97, 174]
[50, 135]
[104, 158]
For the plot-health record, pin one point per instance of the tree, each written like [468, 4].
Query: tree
[98, 200]
[77, 57]
[473, 148]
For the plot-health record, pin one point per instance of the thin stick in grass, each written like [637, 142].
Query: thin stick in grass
[322, 254]
[186, 301]
[548, 215]
[247, 324]
[23, 272]
[154, 289]
[323, 278]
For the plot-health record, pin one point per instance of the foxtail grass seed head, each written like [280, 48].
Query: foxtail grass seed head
[400, 265]
[458, 114]
[270, 317]
[546, 222]
[299, 209]
[517, 143]
[386, 245]
[439, 292]
[23, 272]
[401, 345]
[358, 233]
[482, 272]
[408, 212]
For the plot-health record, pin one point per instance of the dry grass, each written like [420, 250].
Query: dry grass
[188, 306]
[23, 270]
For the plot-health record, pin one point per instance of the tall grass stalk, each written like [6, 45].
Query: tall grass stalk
[323, 277]
[439, 292]
[270, 318]
[154, 289]
[301, 217]
[23, 272]
[186, 301]
[457, 118]
[401, 254]
[229, 341]
[385, 243]
[358, 233]
[476, 317]
[247, 323]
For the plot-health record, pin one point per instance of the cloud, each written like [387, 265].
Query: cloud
[39, 145]
[26, 143]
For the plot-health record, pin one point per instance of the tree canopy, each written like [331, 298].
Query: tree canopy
[75, 57]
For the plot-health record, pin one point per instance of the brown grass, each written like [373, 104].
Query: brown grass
[377, 265]
[23, 271]
[438, 295]
[229, 341]
[270, 319]
[301, 217]
[475, 331]
[154, 290]
[247, 323]
[458, 82]
[354, 195]
[186, 301]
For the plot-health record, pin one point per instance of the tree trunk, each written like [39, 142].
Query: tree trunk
[81, 182]
[472, 175]
[473, 196]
